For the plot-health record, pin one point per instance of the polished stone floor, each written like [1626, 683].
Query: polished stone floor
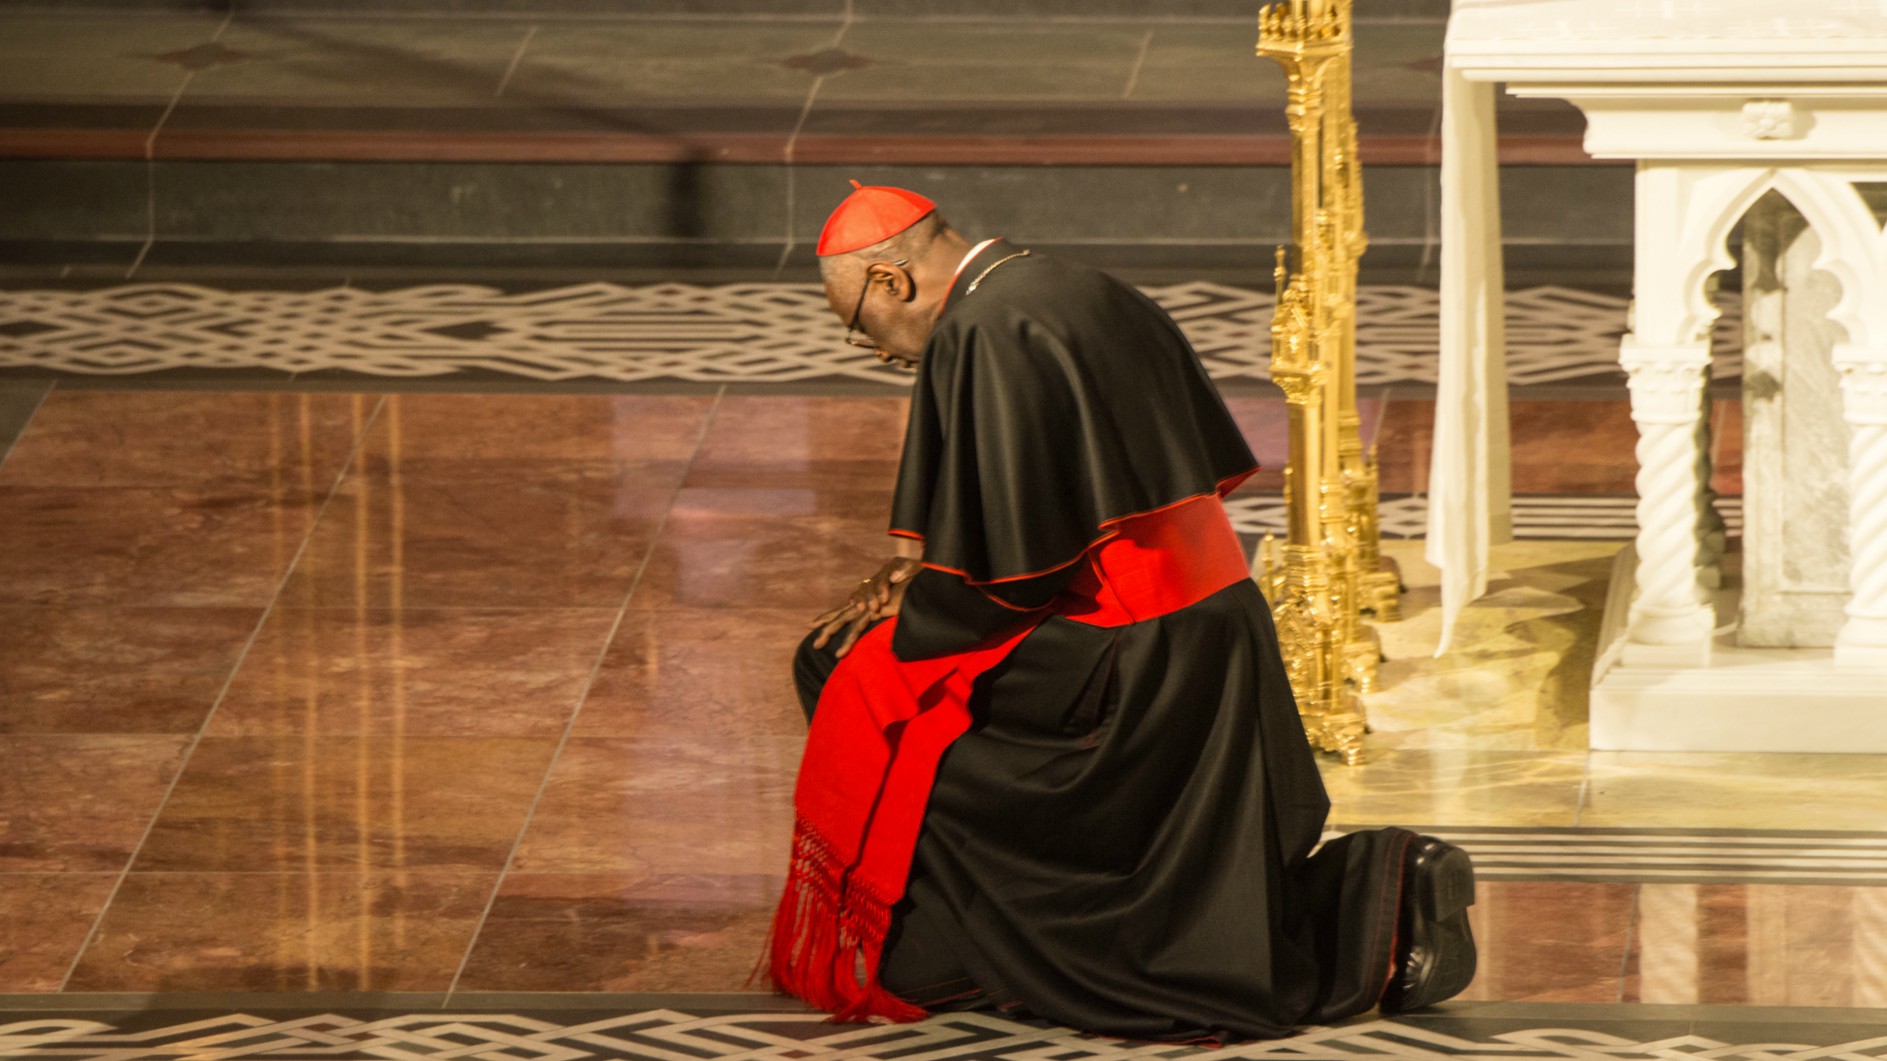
[477, 692]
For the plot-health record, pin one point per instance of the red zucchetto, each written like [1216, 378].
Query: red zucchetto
[871, 214]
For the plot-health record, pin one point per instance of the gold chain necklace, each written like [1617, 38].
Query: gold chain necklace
[971, 290]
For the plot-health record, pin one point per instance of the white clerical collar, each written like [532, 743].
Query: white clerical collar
[974, 251]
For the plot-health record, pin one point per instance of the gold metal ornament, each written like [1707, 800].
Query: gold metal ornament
[1331, 570]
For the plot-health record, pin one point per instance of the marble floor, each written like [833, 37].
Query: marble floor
[439, 695]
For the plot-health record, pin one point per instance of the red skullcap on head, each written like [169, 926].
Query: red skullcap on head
[871, 214]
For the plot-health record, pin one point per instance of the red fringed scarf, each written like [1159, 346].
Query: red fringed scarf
[882, 726]
[871, 755]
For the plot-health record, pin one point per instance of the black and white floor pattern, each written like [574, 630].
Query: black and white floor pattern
[677, 1035]
[723, 333]
[1669, 856]
[1542, 517]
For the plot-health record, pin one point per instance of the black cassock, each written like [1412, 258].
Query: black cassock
[1122, 840]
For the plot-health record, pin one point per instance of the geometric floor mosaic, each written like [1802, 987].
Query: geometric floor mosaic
[721, 333]
[1670, 856]
[1535, 517]
[672, 1035]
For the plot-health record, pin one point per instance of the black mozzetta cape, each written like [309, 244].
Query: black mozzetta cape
[1122, 840]
[1050, 401]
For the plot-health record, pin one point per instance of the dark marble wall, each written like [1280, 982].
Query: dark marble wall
[1563, 223]
[642, 138]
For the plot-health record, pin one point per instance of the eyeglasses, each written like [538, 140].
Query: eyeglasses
[852, 334]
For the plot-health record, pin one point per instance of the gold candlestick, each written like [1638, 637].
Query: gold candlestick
[1330, 571]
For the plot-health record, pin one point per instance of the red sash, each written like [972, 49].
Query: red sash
[883, 724]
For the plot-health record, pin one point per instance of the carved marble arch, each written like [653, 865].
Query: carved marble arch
[1705, 206]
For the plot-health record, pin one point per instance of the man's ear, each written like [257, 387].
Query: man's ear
[895, 279]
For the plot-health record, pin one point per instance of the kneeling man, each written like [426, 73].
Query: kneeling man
[1054, 763]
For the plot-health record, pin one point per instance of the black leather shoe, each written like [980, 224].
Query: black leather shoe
[1434, 946]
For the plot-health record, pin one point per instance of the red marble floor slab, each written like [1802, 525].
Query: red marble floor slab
[805, 442]
[635, 930]
[84, 545]
[442, 431]
[704, 673]
[352, 931]
[1550, 941]
[443, 672]
[1558, 446]
[116, 670]
[1760, 944]
[80, 802]
[1726, 433]
[794, 549]
[1574, 447]
[307, 803]
[44, 919]
[1404, 446]
[624, 932]
[278, 443]
[1266, 424]
[1685, 935]
[484, 534]
[665, 806]
[478, 500]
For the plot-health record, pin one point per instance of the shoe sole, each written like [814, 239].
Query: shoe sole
[1453, 891]
[1444, 891]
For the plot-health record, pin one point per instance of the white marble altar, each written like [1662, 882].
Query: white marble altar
[1795, 472]
[1718, 103]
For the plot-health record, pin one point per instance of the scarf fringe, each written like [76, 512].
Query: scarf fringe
[829, 924]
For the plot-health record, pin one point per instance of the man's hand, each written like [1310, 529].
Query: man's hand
[877, 597]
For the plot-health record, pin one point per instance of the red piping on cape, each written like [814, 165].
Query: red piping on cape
[1383, 902]
[1225, 486]
[1012, 607]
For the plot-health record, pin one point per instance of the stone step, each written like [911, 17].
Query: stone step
[157, 138]
[644, 222]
